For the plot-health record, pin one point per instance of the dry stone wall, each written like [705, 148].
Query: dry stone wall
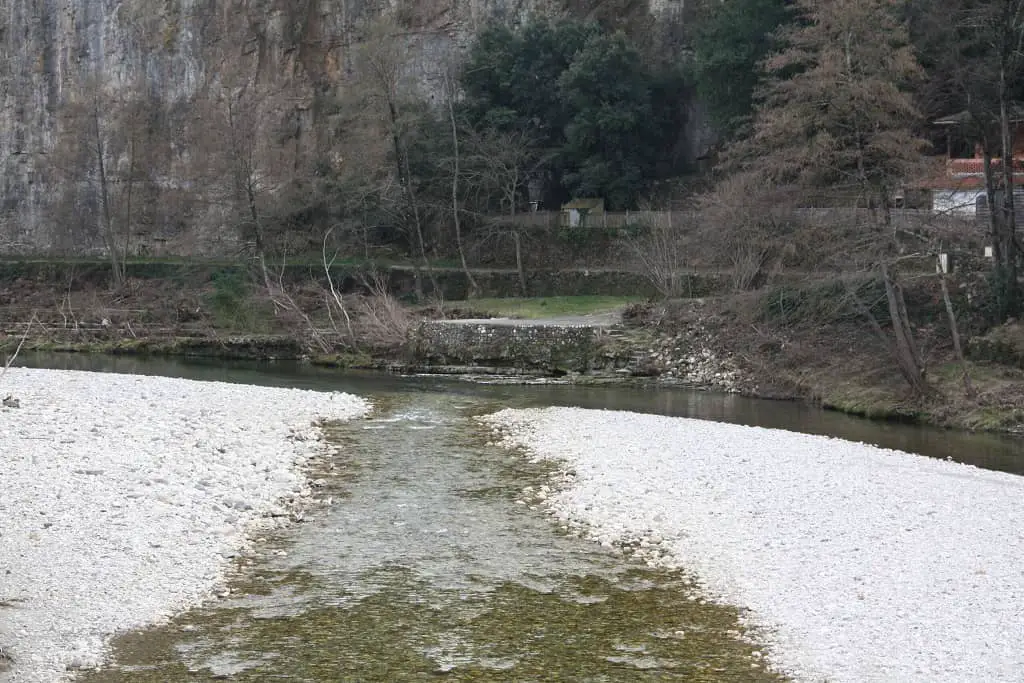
[541, 349]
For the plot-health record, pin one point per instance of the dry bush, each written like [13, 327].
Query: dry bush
[747, 226]
[380, 320]
[335, 300]
[661, 248]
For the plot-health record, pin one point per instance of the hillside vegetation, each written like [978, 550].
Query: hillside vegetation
[809, 196]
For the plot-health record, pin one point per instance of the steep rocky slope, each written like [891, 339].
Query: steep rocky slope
[146, 85]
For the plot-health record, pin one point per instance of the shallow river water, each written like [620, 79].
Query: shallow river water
[427, 564]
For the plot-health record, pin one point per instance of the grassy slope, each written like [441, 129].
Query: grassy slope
[545, 307]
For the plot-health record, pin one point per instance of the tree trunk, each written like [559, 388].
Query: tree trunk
[131, 187]
[519, 261]
[510, 194]
[907, 356]
[254, 213]
[994, 214]
[1002, 293]
[244, 176]
[518, 243]
[414, 204]
[474, 289]
[405, 179]
[1008, 248]
[955, 331]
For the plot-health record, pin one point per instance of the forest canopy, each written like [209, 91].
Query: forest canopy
[603, 120]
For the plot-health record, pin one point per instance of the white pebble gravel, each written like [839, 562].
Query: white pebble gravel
[123, 498]
[858, 563]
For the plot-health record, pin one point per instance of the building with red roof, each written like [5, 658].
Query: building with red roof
[957, 187]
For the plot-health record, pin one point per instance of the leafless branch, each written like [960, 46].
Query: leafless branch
[21, 343]
[336, 296]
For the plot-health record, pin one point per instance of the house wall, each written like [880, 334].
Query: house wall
[956, 202]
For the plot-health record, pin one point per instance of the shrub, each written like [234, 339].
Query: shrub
[230, 302]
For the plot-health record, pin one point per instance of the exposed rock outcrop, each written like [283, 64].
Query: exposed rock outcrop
[146, 84]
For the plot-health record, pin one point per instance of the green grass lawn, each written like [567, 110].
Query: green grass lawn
[544, 307]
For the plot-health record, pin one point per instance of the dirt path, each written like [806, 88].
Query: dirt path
[604, 319]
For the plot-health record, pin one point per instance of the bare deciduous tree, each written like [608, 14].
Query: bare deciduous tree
[105, 145]
[747, 224]
[661, 250]
[335, 300]
[383, 57]
[501, 164]
[942, 268]
[240, 154]
[449, 80]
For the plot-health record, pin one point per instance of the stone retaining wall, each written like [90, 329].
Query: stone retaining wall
[547, 349]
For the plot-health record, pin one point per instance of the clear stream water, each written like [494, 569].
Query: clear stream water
[429, 566]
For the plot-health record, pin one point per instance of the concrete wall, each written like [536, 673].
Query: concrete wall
[956, 202]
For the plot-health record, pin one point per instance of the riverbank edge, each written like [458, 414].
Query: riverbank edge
[635, 360]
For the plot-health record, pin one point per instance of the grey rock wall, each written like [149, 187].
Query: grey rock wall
[55, 54]
[548, 349]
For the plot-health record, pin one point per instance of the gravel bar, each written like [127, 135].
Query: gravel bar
[854, 563]
[123, 498]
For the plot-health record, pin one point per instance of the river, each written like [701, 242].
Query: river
[428, 564]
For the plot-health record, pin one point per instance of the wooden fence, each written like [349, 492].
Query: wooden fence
[606, 220]
[909, 219]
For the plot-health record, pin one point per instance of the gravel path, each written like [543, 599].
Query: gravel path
[603, 320]
[122, 499]
[860, 564]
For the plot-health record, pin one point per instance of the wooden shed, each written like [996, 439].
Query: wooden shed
[580, 213]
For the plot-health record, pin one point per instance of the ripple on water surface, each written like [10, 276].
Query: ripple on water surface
[426, 567]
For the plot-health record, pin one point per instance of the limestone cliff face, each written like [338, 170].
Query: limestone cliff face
[74, 74]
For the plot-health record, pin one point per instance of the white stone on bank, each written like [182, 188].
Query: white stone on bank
[856, 563]
[123, 498]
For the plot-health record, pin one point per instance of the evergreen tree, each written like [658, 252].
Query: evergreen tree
[837, 108]
[613, 137]
[511, 77]
[603, 119]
